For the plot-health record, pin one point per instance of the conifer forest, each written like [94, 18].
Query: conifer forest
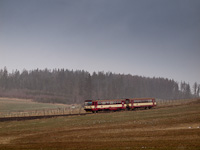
[69, 86]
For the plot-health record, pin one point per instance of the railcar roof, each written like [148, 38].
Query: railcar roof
[119, 99]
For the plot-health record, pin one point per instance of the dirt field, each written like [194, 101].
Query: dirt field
[175, 128]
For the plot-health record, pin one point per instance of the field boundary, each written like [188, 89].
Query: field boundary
[37, 117]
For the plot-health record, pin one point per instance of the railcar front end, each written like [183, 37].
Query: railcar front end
[104, 105]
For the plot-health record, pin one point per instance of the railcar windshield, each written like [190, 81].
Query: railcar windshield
[88, 103]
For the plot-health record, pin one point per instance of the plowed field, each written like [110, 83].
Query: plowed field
[174, 128]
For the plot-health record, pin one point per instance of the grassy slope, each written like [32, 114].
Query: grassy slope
[163, 128]
[12, 105]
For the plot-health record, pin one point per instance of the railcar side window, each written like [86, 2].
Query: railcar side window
[103, 103]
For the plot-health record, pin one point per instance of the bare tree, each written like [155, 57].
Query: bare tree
[195, 88]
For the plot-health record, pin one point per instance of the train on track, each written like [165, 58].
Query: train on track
[118, 104]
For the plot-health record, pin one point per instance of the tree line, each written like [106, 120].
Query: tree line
[68, 86]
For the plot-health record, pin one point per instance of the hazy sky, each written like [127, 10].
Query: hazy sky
[150, 38]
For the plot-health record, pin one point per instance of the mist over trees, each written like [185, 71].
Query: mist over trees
[68, 86]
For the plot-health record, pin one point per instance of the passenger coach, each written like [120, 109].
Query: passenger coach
[118, 104]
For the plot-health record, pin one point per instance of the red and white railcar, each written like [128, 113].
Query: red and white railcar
[118, 104]
[141, 103]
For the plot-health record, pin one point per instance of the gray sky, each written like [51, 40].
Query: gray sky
[152, 38]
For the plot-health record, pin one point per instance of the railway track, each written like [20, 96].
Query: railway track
[37, 117]
[5, 119]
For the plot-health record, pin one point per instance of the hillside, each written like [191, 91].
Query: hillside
[12, 108]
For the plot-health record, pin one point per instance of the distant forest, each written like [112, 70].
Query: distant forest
[68, 86]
